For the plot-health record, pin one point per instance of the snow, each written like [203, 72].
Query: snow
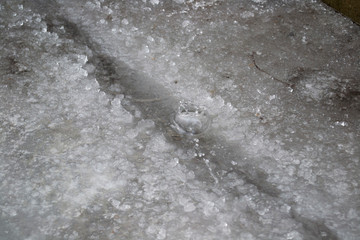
[178, 120]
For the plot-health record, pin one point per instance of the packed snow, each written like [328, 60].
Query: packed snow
[184, 119]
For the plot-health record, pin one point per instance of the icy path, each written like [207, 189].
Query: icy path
[90, 90]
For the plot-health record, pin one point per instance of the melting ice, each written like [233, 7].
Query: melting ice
[178, 120]
[191, 119]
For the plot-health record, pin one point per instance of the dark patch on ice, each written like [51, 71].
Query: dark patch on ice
[319, 85]
[315, 230]
[12, 66]
[326, 87]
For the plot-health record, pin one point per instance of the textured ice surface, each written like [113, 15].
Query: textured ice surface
[89, 91]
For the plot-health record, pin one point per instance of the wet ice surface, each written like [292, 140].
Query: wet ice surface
[190, 119]
[96, 142]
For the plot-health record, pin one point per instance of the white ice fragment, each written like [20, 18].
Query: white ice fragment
[82, 59]
[139, 205]
[88, 87]
[285, 208]
[154, 2]
[211, 229]
[323, 234]
[14, 119]
[272, 97]
[11, 212]
[161, 234]
[124, 207]
[187, 204]
[125, 21]
[185, 23]
[146, 124]
[341, 123]
[190, 175]
[74, 235]
[225, 228]
[294, 235]
[304, 40]
[247, 14]
[115, 203]
[247, 236]
[150, 39]
[146, 49]
[137, 114]
[99, 167]
[19, 23]
[296, 161]
[291, 170]
[174, 162]
[352, 214]
[189, 207]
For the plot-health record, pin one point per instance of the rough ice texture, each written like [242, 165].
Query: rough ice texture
[88, 154]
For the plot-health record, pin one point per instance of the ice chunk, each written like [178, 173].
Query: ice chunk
[191, 119]
[125, 21]
[316, 85]
[341, 123]
[247, 14]
[154, 2]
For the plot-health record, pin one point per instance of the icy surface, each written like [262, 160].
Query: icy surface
[183, 119]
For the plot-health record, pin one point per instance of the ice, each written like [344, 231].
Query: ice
[178, 120]
[125, 21]
[191, 119]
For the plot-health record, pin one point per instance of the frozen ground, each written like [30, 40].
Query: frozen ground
[178, 120]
